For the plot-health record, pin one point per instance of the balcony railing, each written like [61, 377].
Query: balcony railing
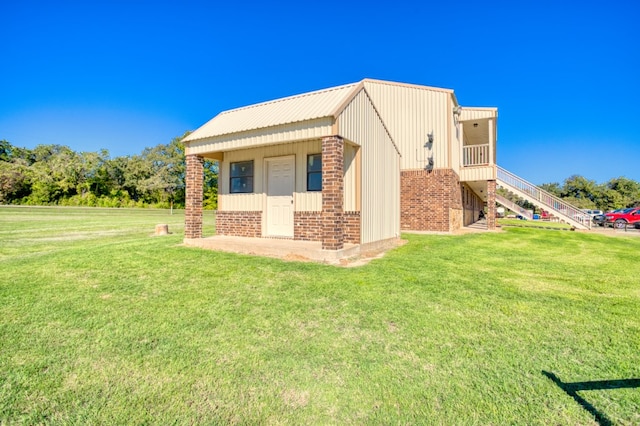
[475, 155]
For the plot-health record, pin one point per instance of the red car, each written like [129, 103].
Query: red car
[624, 217]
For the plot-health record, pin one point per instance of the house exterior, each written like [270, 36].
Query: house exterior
[353, 164]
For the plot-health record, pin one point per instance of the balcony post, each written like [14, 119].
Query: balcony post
[492, 143]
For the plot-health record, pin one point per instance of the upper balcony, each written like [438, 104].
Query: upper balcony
[478, 156]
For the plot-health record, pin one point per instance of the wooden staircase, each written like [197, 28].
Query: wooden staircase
[514, 207]
[542, 199]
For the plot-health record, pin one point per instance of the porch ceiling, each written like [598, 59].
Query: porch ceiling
[476, 132]
[480, 188]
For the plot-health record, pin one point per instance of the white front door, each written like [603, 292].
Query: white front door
[280, 184]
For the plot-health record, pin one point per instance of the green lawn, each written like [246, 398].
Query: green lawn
[100, 323]
[533, 223]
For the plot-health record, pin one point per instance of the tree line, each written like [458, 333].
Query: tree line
[583, 193]
[57, 175]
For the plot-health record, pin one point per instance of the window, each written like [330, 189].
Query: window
[241, 180]
[314, 172]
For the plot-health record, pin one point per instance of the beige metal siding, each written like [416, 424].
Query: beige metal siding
[308, 201]
[273, 135]
[380, 180]
[457, 140]
[350, 178]
[380, 193]
[303, 200]
[473, 113]
[293, 109]
[469, 174]
[411, 113]
[492, 140]
[241, 202]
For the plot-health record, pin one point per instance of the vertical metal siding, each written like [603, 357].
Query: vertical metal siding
[240, 202]
[456, 143]
[380, 210]
[411, 113]
[478, 113]
[350, 178]
[470, 174]
[492, 141]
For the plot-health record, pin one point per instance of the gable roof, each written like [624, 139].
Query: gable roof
[293, 109]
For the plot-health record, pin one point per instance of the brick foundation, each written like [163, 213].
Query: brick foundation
[430, 200]
[352, 227]
[193, 197]
[307, 226]
[332, 193]
[491, 204]
[239, 224]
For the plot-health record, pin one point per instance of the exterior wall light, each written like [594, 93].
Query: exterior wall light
[429, 140]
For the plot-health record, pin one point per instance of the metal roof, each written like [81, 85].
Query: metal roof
[293, 109]
[307, 106]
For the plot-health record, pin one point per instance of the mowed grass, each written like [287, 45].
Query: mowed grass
[101, 323]
[533, 223]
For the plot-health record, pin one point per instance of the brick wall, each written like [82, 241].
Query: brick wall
[352, 227]
[239, 224]
[193, 197]
[307, 226]
[430, 200]
[332, 193]
[491, 204]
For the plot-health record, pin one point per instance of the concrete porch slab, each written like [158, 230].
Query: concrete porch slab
[275, 247]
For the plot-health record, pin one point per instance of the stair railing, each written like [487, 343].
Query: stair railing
[554, 203]
[514, 207]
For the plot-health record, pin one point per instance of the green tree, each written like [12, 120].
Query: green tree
[552, 188]
[210, 185]
[5, 150]
[579, 190]
[608, 199]
[15, 182]
[629, 191]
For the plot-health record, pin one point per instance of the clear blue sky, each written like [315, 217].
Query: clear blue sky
[125, 75]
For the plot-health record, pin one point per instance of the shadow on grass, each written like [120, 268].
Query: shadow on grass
[572, 390]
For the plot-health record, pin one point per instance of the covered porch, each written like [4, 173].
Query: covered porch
[264, 192]
[479, 137]
[478, 170]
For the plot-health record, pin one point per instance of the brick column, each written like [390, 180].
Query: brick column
[332, 193]
[193, 197]
[491, 204]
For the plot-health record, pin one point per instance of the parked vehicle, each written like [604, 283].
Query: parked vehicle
[623, 218]
[593, 213]
[599, 220]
